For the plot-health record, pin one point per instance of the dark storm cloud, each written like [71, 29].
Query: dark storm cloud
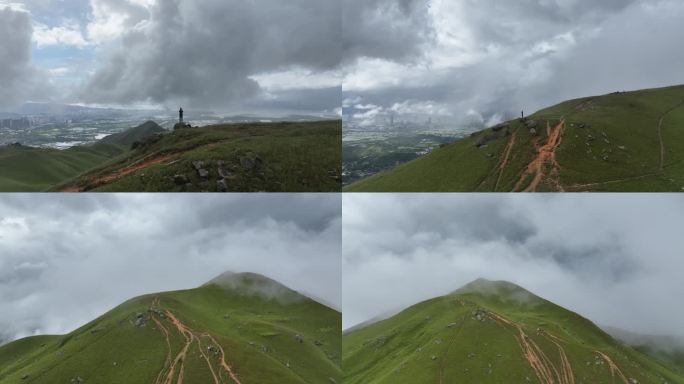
[204, 53]
[615, 259]
[384, 28]
[66, 259]
[497, 57]
[18, 78]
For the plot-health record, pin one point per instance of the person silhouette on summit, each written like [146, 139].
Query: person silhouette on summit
[180, 115]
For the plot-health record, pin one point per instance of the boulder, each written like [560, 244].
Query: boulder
[250, 161]
[531, 124]
[180, 179]
[222, 185]
[198, 165]
[203, 173]
[533, 132]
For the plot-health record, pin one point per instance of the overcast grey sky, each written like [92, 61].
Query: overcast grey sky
[234, 56]
[66, 259]
[616, 259]
[484, 60]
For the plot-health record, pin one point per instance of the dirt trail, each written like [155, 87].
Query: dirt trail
[582, 187]
[225, 365]
[141, 164]
[504, 161]
[566, 368]
[660, 134]
[613, 368]
[174, 368]
[546, 154]
[542, 365]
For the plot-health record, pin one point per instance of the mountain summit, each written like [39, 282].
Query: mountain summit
[493, 332]
[217, 333]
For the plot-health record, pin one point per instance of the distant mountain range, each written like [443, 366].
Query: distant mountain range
[494, 332]
[237, 328]
[624, 141]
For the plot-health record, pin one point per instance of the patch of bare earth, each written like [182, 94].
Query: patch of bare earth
[546, 157]
[173, 371]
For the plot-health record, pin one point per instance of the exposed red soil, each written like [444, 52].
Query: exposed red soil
[546, 155]
[174, 368]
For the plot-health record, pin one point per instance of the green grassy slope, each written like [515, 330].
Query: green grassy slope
[26, 169]
[242, 329]
[491, 332]
[606, 143]
[253, 157]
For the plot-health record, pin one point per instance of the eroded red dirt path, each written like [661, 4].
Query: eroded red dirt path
[105, 179]
[543, 367]
[504, 161]
[613, 368]
[546, 156]
[173, 371]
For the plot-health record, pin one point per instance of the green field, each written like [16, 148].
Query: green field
[240, 328]
[493, 332]
[627, 141]
[250, 157]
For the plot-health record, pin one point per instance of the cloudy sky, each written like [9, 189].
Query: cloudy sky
[65, 260]
[229, 56]
[484, 60]
[616, 259]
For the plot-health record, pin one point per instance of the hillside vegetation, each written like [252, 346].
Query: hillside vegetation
[625, 141]
[239, 329]
[493, 332]
[247, 157]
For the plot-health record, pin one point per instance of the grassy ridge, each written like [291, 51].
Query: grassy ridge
[492, 333]
[270, 157]
[607, 143]
[249, 157]
[262, 340]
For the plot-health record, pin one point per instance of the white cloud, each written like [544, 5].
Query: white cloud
[54, 249]
[69, 33]
[298, 78]
[615, 259]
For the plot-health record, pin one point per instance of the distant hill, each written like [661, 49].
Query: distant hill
[246, 157]
[212, 334]
[493, 332]
[626, 141]
[133, 135]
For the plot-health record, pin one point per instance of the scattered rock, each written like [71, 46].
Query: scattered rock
[203, 173]
[222, 185]
[250, 161]
[198, 165]
[330, 379]
[26, 377]
[533, 132]
[500, 127]
[451, 325]
[622, 147]
[433, 357]
[318, 343]
[483, 140]
[531, 124]
[299, 338]
[77, 380]
[180, 179]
